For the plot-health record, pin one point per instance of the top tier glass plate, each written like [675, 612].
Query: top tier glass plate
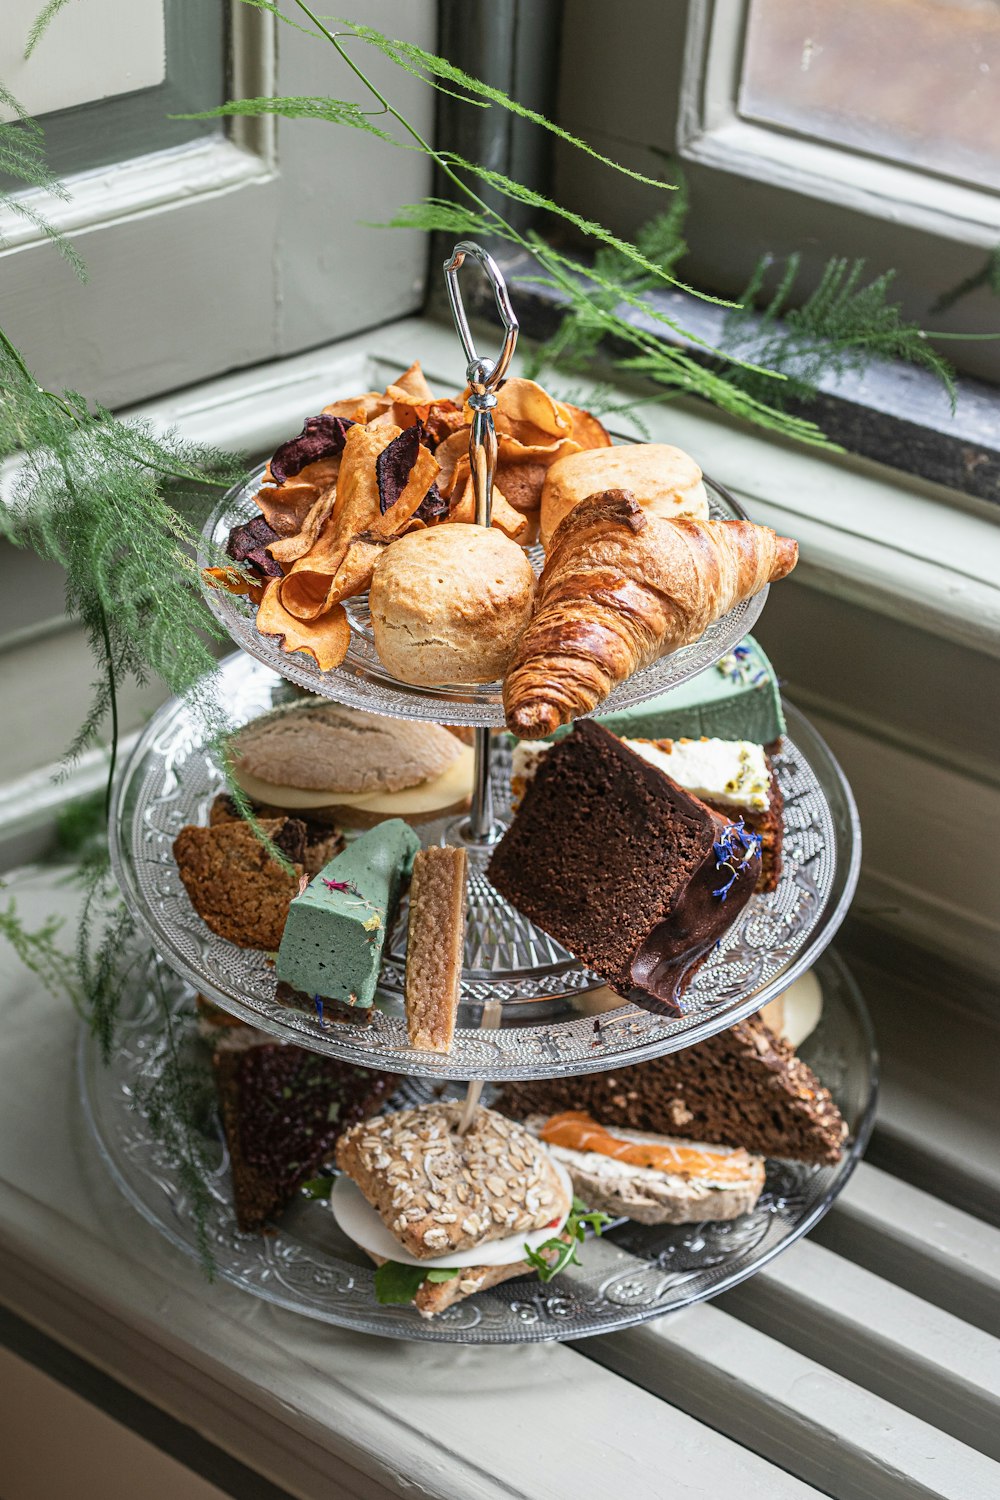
[361, 681]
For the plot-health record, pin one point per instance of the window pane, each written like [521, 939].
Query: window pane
[913, 81]
[107, 118]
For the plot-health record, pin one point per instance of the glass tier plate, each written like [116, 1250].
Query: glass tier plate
[632, 1274]
[549, 1025]
[361, 681]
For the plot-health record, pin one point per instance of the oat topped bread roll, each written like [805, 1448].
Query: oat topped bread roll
[437, 1191]
[664, 480]
[449, 604]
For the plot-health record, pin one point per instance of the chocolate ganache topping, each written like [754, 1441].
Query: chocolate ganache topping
[717, 892]
[630, 872]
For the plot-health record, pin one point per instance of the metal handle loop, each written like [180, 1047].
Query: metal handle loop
[482, 377]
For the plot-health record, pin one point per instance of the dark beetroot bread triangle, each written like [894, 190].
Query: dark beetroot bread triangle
[283, 1110]
[743, 1087]
[623, 867]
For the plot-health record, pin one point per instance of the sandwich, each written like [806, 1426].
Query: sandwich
[343, 766]
[651, 1178]
[444, 1214]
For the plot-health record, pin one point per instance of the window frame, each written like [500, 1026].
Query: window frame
[89, 135]
[223, 253]
[712, 132]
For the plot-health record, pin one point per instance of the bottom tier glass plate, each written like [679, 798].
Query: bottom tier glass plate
[549, 1022]
[634, 1273]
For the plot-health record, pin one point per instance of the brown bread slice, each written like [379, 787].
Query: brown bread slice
[742, 1087]
[283, 1111]
[435, 946]
[234, 885]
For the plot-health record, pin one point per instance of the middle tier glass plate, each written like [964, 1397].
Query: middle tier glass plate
[361, 681]
[552, 1016]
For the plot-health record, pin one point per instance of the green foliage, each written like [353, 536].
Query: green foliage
[433, 69]
[630, 260]
[40, 953]
[558, 1253]
[397, 1284]
[662, 244]
[42, 22]
[107, 955]
[179, 1106]
[987, 276]
[22, 156]
[82, 828]
[333, 111]
[109, 502]
[119, 507]
[318, 1189]
[589, 290]
[840, 327]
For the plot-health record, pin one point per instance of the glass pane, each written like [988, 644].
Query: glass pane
[130, 121]
[913, 81]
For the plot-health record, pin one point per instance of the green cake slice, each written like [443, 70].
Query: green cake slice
[336, 929]
[737, 699]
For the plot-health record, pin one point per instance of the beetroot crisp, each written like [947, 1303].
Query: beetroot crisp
[246, 546]
[392, 470]
[321, 437]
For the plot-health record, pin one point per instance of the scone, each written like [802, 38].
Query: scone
[664, 480]
[449, 604]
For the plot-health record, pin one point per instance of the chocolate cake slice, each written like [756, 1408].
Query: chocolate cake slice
[742, 1087]
[631, 873]
[283, 1111]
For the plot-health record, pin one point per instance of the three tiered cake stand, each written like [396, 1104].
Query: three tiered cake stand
[527, 1006]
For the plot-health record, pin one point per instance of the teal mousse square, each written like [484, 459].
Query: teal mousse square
[737, 699]
[336, 929]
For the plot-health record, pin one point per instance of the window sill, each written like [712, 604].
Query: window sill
[894, 414]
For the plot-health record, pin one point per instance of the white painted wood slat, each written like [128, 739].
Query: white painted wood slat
[933, 1250]
[908, 1351]
[793, 1410]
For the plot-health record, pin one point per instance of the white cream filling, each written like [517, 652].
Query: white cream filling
[731, 772]
[795, 1013]
[613, 1172]
[440, 791]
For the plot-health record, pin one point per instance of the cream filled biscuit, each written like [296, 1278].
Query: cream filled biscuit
[359, 768]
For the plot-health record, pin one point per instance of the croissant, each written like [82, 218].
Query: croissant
[621, 588]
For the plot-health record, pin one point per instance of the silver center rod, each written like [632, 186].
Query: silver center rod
[483, 379]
